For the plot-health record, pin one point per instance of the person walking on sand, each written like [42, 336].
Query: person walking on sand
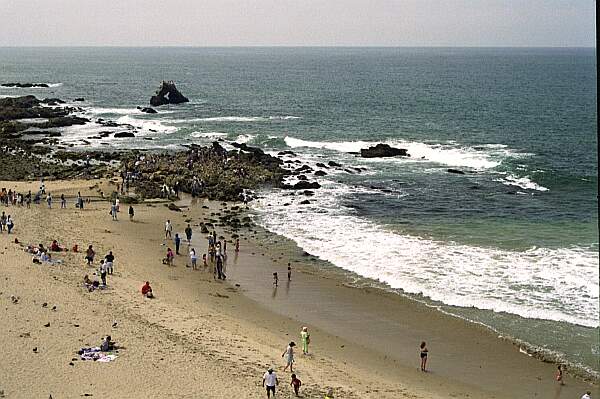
[168, 229]
[296, 384]
[305, 339]
[188, 234]
[177, 243]
[288, 354]
[103, 271]
[559, 375]
[89, 255]
[170, 257]
[289, 272]
[237, 245]
[270, 381]
[424, 352]
[193, 258]
[108, 261]
[131, 212]
[63, 201]
[113, 211]
[49, 200]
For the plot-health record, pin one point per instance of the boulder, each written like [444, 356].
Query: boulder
[456, 171]
[304, 202]
[334, 164]
[123, 134]
[303, 185]
[321, 165]
[148, 110]
[167, 93]
[24, 85]
[382, 150]
[320, 173]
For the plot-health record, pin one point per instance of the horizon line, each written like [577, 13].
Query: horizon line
[298, 46]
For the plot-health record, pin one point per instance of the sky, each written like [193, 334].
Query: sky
[563, 23]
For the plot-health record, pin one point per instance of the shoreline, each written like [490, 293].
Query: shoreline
[346, 362]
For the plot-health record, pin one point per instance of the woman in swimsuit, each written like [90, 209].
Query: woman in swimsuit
[424, 352]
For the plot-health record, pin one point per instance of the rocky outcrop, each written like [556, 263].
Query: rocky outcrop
[167, 93]
[456, 171]
[147, 110]
[334, 164]
[120, 135]
[24, 85]
[382, 150]
[302, 185]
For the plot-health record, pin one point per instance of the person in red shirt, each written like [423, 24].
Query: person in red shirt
[147, 290]
[296, 383]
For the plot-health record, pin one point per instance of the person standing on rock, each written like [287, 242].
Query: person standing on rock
[168, 229]
[188, 234]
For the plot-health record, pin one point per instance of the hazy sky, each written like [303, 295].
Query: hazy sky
[299, 22]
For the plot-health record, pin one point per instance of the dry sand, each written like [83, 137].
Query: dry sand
[200, 338]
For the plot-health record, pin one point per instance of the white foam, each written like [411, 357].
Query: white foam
[116, 111]
[448, 154]
[209, 135]
[554, 284]
[244, 138]
[54, 84]
[522, 182]
[228, 119]
[146, 125]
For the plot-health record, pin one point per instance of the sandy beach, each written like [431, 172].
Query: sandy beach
[205, 338]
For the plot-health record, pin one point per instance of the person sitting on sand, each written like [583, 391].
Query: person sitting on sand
[55, 247]
[147, 290]
[45, 257]
[90, 284]
[107, 344]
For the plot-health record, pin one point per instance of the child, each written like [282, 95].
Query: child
[296, 383]
[275, 279]
[204, 260]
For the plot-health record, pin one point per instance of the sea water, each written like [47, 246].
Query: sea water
[512, 243]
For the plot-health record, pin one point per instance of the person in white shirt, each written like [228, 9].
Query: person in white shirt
[193, 258]
[269, 381]
[587, 395]
[168, 229]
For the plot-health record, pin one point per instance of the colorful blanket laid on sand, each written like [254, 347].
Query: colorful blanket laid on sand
[96, 355]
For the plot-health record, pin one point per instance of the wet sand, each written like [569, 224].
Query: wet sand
[206, 338]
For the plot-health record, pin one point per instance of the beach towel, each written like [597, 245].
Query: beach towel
[95, 354]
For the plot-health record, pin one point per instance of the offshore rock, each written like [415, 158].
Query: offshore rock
[167, 93]
[382, 150]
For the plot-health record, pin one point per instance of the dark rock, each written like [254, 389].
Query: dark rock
[148, 110]
[79, 99]
[321, 165]
[308, 193]
[52, 101]
[24, 85]
[458, 172]
[334, 164]
[320, 173]
[348, 171]
[173, 207]
[123, 134]
[304, 202]
[382, 150]
[167, 93]
[302, 185]
[302, 177]
[286, 153]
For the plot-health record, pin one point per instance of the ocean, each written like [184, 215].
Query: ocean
[511, 244]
